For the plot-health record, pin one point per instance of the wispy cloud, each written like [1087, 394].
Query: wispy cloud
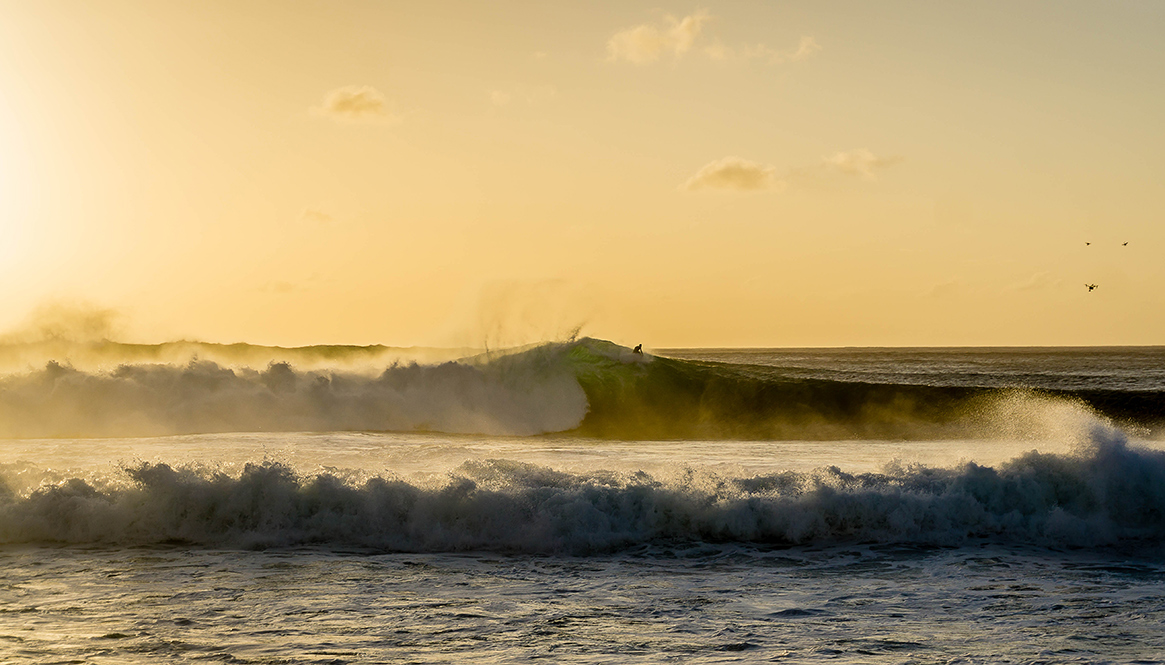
[734, 174]
[762, 53]
[529, 95]
[806, 48]
[741, 175]
[860, 162]
[676, 37]
[948, 289]
[648, 43]
[313, 216]
[1040, 281]
[356, 103]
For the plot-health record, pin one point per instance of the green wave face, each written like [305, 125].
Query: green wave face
[632, 396]
[588, 387]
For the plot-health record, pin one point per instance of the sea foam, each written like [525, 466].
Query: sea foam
[1107, 493]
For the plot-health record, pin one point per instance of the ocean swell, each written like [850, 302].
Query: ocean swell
[588, 387]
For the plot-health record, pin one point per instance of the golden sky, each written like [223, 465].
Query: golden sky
[721, 174]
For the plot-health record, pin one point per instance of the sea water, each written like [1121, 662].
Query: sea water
[989, 542]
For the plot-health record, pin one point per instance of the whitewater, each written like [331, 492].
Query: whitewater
[579, 502]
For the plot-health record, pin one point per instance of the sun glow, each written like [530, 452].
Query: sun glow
[754, 175]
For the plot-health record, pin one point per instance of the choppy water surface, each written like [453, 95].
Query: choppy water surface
[702, 604]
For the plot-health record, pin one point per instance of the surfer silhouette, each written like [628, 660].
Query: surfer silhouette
[638, 349]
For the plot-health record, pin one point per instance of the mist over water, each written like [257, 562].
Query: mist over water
[203, 396]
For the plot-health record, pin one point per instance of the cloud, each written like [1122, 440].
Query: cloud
[355, 103]
[314, 216]
[1040, 281]
[949, 289]
[860, 162]
[718, 51]
[760, 52]
[648, 43]
[523, 93]
[806, 48]
[736, 174]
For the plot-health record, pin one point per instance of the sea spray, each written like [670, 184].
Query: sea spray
[202, 396]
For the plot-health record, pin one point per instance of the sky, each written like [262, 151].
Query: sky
[720, 174]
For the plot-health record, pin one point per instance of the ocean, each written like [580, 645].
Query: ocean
[577, 502]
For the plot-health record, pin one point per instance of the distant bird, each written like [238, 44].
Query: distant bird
[1087, 243]
[1124, 244]
[1090, 287]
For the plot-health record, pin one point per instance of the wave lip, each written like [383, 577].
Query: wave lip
[1109, 494]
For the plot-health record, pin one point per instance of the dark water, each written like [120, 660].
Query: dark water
[862, 604]
[1062, 369]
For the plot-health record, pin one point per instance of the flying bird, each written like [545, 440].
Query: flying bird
[1090, 287]
[1124, 244]
[1087, 243]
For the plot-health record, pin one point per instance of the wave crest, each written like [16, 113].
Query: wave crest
[505, 398]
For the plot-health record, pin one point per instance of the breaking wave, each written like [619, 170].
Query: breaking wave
[1107, 494]
[202, 396]
[589, 387]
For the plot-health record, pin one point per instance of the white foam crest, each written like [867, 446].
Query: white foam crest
[1108, 493]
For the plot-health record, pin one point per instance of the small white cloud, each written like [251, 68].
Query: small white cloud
[355, 104]
[734, 174]
[860, 162]
[761, 53]
[648, 43]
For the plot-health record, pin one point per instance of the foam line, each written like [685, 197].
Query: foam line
[1106, 494]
